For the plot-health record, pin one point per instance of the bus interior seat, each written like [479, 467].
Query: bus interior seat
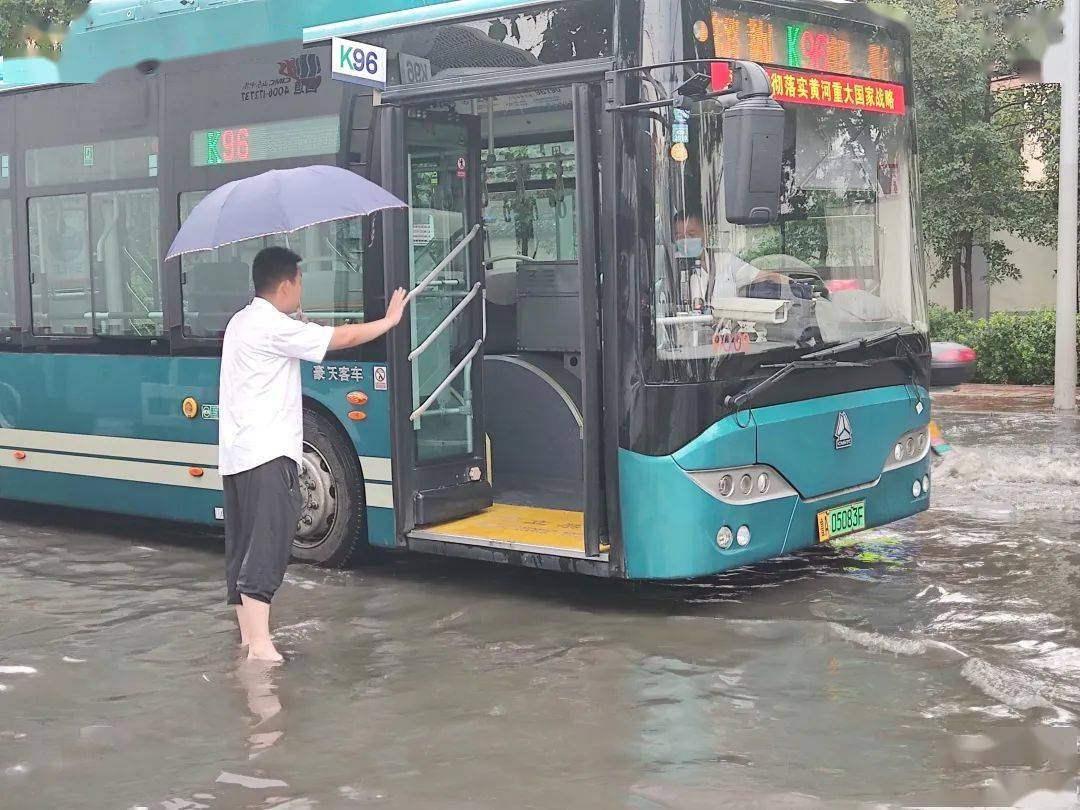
[214, 292]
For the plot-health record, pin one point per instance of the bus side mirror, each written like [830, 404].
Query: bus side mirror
[753, 161]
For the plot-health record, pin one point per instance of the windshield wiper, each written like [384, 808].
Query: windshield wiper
[743, 398]
[858, 343]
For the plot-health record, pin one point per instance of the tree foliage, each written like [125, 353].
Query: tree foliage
[36, 27]
[973, 133]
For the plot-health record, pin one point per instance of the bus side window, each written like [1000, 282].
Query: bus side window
[60, 264]
[7, 267]
[124, 258]
[218, 282]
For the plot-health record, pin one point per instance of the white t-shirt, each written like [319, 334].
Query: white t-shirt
[260, 411]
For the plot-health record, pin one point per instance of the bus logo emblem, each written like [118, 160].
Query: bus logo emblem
[842, 434]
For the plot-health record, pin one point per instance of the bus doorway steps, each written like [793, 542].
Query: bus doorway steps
[555, 532]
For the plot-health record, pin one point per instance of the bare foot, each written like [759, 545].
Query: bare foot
[264, 652]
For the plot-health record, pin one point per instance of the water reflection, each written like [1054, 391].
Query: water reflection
[257, 678]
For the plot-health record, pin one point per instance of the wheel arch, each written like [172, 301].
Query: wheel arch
[318, 407]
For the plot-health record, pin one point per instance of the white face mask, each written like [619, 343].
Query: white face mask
[688, 247]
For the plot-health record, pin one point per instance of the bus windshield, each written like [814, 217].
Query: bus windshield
[841, 262]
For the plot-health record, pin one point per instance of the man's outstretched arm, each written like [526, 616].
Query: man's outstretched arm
[356, 333]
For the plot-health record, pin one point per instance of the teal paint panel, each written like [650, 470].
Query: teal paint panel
[417, 13]
[731, 442]
[890, 500]
[140, 397]
[108, 395]
[669, 523]
[121, 34]
[184, 504]
[797, 438]
[380, 524]
[327, 383]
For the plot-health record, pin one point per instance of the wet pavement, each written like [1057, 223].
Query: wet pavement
[934, 662]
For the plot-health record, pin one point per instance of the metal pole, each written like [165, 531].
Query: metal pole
[1065, 342]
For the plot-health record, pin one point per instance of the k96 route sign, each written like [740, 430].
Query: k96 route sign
[358, 63]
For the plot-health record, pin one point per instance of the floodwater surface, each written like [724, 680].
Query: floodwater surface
[932, 662]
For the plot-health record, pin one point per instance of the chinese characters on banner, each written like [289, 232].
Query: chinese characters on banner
[843, 92]
[824, 90]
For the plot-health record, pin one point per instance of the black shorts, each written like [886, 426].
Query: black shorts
[262, 506]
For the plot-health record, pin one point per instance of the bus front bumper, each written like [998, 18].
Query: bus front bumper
[670, 524]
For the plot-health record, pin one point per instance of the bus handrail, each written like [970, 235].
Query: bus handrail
[438, 330]
[453, 254]
[445, 383]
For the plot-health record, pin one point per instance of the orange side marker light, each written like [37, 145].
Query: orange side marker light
[356, 397]
[356, 416]
[19, 455]
[195, 472]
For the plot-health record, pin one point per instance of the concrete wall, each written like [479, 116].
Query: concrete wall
[1034, 289]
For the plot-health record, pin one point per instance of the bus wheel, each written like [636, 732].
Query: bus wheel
[331, 530]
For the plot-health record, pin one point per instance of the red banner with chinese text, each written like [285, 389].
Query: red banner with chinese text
[824, 90]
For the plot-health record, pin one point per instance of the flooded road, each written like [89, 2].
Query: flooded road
[935, 662]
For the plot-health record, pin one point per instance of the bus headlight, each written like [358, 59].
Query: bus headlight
[742, 537]
[926, 483]
[916, 488]
[898, 452]
[726, 485]
[746, 483]
[753, 483]
[724, 537]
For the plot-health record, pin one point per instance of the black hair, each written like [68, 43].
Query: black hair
[272, 266]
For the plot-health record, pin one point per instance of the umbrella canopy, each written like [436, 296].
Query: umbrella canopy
[278, 201]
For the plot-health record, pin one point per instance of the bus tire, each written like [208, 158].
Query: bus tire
[332, 530]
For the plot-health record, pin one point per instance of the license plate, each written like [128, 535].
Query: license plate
[841, 520]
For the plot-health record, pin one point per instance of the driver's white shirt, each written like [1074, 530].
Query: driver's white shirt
[260, 410]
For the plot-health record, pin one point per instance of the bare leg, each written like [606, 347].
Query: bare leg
[260, 646]
[242, 620]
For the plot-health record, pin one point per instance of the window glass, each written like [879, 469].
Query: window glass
[125, 159]
[217, 283]
[124, 258]
[60, 264]
[7, 267]
[531, 206]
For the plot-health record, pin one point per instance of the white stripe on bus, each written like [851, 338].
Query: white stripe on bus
[376, 469]
[376, 494]
[379, 495]
[192, 453]
[203, 455]
[116, 469]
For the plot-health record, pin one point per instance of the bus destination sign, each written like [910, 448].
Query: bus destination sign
[824, 89]
[301, 137]
[775, 40]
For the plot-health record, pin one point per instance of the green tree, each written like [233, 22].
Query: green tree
[972, 133]
[36, 27]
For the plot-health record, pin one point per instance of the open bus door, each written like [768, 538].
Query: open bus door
[434, 250]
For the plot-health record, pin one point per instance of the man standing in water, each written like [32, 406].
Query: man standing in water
[261, 433]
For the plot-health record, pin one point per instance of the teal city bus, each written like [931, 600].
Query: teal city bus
[608, 367]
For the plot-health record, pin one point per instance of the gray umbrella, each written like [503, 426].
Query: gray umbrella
[278, 201]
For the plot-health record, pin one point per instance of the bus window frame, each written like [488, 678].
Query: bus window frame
[8, 146]
[129, 92]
